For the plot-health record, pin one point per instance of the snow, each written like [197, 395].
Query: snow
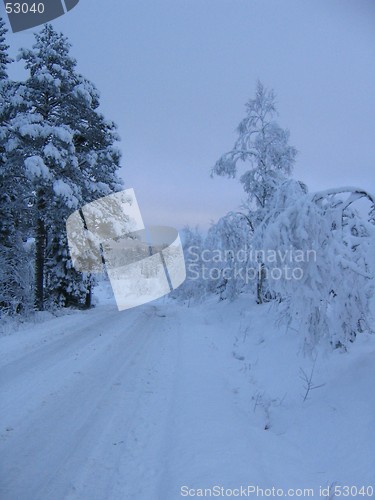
[64, 133]
[35, 167]
[44, 76]
[12, 144]
[52, 152]
[32, 130]
[83, 91]
[62, 189]
[135, 405]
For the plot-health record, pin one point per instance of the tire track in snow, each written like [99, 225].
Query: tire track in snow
[84, 418]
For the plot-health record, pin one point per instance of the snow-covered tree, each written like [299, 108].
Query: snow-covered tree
[229, 243]
[6, 232]
[4, 56]
[69, 158]
[323, 265]
[15, 270]
[262, 145]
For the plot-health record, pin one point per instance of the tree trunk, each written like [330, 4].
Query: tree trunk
[261, 276]
[40, 250]
[88, 300]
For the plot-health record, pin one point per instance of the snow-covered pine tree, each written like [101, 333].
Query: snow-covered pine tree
[98, 161]
[4, 56]
[70, 159]
[5, 224]
[15, 283]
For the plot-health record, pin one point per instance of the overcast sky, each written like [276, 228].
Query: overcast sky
[175, 75]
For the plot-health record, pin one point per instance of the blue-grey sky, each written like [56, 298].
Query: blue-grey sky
[175, 75]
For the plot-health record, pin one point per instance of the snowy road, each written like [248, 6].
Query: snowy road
[82, 403]
[108, 405]
[102, 405]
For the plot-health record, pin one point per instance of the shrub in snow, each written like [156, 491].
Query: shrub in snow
[333, 247]
[228, 242]
[193, 290]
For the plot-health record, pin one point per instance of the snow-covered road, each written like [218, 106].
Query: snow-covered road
[84, 405]
[102, 405]
[108, 405]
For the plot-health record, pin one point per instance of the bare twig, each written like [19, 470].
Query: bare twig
[308, 379]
